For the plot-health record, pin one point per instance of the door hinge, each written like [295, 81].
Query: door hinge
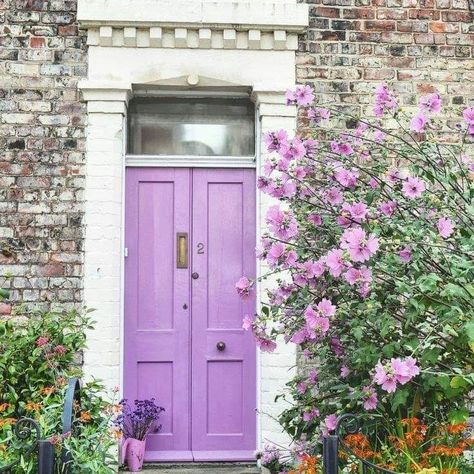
[125, 252]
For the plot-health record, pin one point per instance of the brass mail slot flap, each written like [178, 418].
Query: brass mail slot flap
[182, 250]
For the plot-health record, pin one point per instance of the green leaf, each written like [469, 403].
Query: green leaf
[458, 382]
[400, 398]
[4, 294]
[458, 416]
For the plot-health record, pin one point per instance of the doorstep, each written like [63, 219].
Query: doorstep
[201, 468]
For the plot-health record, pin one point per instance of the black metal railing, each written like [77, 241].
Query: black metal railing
[333, 444]
[27, 430]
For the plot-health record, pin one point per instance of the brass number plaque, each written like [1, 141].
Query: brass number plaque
[182, 250]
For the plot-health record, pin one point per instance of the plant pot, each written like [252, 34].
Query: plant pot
[133, 452]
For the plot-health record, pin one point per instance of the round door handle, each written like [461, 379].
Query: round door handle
[220, 346]
[195, 276]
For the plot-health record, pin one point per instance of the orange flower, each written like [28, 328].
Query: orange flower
[31, 406]
[85, 417]
[7, 422]
[47, 390]
[4, 407]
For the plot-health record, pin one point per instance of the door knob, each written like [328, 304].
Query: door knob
[220, 346]
[195, 276]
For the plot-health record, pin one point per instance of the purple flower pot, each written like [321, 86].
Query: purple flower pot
[133, 452]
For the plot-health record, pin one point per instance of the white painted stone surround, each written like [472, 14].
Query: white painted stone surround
[140, 42]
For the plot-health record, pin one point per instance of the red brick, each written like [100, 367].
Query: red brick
[464, 17]
[353, 13]
[375, 25]
[325, 12]
[392, 14]
[441, 27]
[379, 74]
[424, 38]
[37, 42]
[68, 30]
[52, 270]
[420, 14]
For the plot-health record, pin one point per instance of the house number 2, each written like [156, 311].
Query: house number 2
[200, 247]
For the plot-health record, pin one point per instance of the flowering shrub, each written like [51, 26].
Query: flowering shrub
[372, 246]
[138, 421]
[39, 353]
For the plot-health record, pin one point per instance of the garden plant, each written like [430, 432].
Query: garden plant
[39, 352]
[370, 254]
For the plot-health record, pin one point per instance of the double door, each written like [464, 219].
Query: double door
[190, 235]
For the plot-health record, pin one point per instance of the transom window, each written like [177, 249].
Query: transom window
[191, 127]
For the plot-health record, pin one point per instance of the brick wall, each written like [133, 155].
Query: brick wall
[416, 45]
[42, 57]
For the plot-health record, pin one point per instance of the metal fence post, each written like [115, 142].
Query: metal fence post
[45, 457]
[330, 458]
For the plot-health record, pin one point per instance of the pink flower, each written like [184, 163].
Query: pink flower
[335, 262]
[379, 136]
[281, 223]
[315, 322]
[468, 114]
[344, 149]
[360, 246]
[316, 219]
[304, 95]
[413, 187]
[331, 422]
[247, 322]
[445, 227]
[59, 349]
[385, 378]
[362, 275]
[326, 308]
[431, 103]
[275, 140]
[371, 400]
[317, 115]
[418, 123]
[405, 254]
[275, 253]
[266, 345]
[333, 196]
[300, 336]
[374, 184]
[293, 150]
[313, 376]
[384, 100]
[301, 387]
[310, 415]
[404, 370]
[358, 211]
[388, 208]
[346, 178]
[313, 269]
[243, 286]
[345, 371]
[42, 341]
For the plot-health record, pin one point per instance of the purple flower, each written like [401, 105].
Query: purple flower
[345, 371]
[333, 196]
[445, 227]
[388, 208]
[468, 114]
[266, 345]
[293, 149]
[275, 140]
[413, 187]
[346, 178]
[281, 223]
[326, 308]
[385, 378]
[317, 115]
[431, 103]
[315, 322]
[418, 123]
[315, 219]
[335, 263]
[379, 136]
[384, 100]
[243, 286]
[371, 400]
[405, 254]
[247, 322]
[360, 246]
[331, 422]
[302, 95]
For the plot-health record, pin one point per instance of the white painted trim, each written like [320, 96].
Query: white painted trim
[177, 161]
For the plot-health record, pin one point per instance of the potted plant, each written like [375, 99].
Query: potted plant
[135, 423]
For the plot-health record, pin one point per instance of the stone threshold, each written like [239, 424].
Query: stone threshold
[200, 468]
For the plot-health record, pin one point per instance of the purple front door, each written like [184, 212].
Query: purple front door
[184, 344]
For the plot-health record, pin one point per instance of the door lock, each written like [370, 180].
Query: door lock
[195, 275]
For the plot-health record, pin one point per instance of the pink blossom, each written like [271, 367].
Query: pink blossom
[317, 114]
[333, 196]
[360, 246]
[388, 208]
[301, 387]
[243, 286]
[335, 263]
[42, 341]
[281, 223]
[247, 322]
[431, 103]
[313, 269]
[344, 149]
[316, 219]
[293, 149]
[310, 415]
[371, 399]
[384, 100]
[413, 187]
[346, 178]
[468, 114]
[405, 254]
[385, 378]
[404, 370]
[266, 345]
[275, 253]
[315, 322]
[310, 146]
[59, 349]
[445, 227]
[300, 336]
[331, 422]
[418, 123]
[379, 136]
[358, 211]
[275, 140]
[373, 183]
[345, 371]
[313, 376]
[303, 95]
[336, 346]
[326, 308]
[361, 275]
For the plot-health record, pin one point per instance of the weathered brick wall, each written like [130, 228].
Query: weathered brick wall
[415, 45]
[42, 57]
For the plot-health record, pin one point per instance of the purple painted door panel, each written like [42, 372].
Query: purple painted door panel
[223, 382]
[173, 323]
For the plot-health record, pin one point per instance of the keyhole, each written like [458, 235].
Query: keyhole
[185, 306]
